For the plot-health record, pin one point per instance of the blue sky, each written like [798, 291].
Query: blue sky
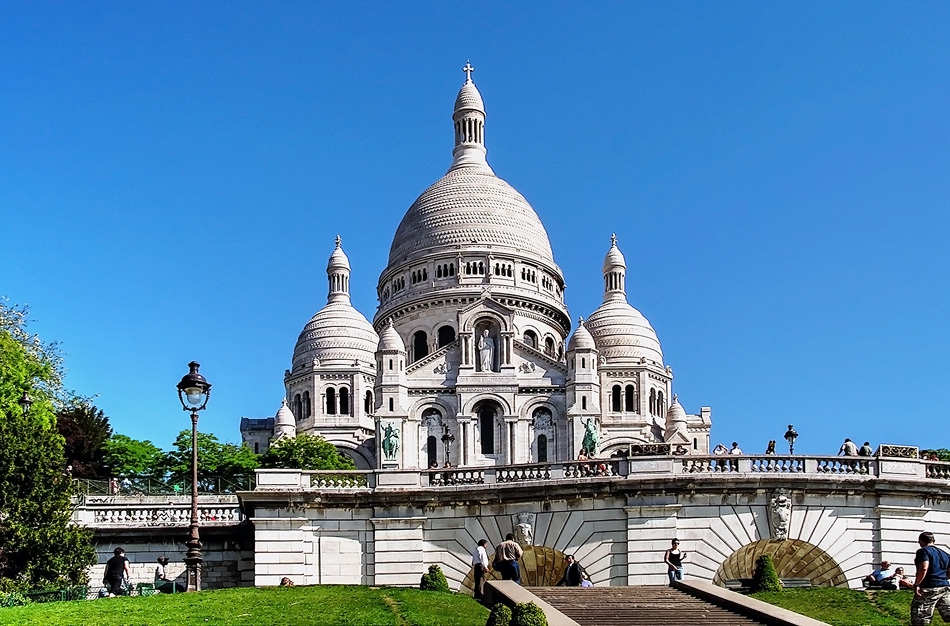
[172, 176]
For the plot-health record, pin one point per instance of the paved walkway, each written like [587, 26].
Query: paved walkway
[637, 606]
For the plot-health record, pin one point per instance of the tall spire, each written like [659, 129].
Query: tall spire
[615, 270]
[338, 275]
[469, 119]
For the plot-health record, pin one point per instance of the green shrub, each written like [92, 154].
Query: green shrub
[500, 616]
[765, 578]
[434, 580]
[14, 598]
[528, 614]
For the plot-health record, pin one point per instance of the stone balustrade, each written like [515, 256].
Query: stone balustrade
[103, 512]
[623, 468]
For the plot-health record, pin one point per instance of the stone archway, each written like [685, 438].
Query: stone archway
[793, 558]
[540, 567]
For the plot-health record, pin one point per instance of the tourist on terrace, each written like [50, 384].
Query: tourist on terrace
[770, 449]
[866, 449]
[931, 588]
[848, 448]
[876, 577]
[720, 449]
[735, 448]
[506, 559]
[674, 561]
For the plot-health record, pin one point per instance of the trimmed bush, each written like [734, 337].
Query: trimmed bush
[500, 616]
[765, 578]
[434, 580]
[528, 614]
[14, 598]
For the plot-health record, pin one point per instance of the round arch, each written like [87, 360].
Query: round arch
[362, 455]
[469, 407]
[793, 558]
[541, 566]
[482, 314]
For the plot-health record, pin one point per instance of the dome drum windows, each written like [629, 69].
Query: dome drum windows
[530, 339]
[446, 335]
[657, 404]
[504, 269]
[475, 268]
[419, 276]
[398, 284]
[337, 401]
[420, 346]
[445, 270]
[529, 275]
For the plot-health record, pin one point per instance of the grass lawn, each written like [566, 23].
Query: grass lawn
[286, 606]
[844, 607]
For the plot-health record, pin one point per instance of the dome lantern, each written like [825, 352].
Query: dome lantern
[338, 275]
[469, 120]
[615, 270]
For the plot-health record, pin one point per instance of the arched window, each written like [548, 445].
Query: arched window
[331, 401]
[653, 402]
[542, 448]
[583, 363]
[660, 406]
[420, 345]
[549, 348]
[431, 447]
[486, 425]
[368, 403]
[629, 398]
[531, 339]
[344, 401]
[615, 398]
[481, 268]
[583, 403]
[695, 443]
[257, 447]
[298, 407]
[306, 404]
[390, 405]
[438, 271]
[446, 335]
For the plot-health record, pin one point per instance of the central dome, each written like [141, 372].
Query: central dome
[470, 207]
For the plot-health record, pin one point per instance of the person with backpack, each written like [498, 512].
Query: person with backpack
[931, 587]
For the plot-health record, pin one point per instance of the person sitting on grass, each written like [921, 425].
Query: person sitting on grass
[286, 582]
[163, 583]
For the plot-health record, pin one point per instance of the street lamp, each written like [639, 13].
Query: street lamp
[447, 439]
[25, 403]
[790, 437]
[193, 391]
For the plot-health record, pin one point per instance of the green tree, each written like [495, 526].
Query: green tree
[764, 577]
[306, 452]
[38, 545]
[218, 463]
[86, 430]
[124, 456]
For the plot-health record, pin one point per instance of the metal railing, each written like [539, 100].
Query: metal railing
[153, 487]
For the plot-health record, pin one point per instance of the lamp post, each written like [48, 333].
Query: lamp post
[25, 403]
[193, 392]
[447, 439]
[790, 437]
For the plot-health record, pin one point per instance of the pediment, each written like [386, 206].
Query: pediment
[470, 314]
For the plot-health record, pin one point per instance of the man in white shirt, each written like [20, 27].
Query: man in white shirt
[848, 448]
[480, 566]
[735, 448]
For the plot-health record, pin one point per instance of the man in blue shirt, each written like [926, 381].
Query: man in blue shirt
[931, 588]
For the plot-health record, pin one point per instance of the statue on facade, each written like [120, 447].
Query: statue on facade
[486, 351]
[390, 442]
[524, 529]
[780, 511]
[591, 436]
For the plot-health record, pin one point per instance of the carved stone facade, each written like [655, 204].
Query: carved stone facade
[472, 340]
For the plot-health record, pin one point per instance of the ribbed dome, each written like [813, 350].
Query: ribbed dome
[623, 335]
[469, 98]
[470, 207]
[581, 339]
[676, 414]
[284, 415]
[338, 260]
[390, 339]
[339, 334]
[614, 258]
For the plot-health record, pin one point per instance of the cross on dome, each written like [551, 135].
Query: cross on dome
[338, 240]
[468, 69]
[613, 239]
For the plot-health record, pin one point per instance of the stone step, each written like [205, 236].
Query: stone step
[637, 606]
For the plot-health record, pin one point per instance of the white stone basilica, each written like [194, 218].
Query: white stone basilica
[465, 362]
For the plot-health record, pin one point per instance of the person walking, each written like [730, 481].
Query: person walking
[674, 561]
[931, 588]
[117, 573]
[506, 559]
[572, 573]
[480, 567]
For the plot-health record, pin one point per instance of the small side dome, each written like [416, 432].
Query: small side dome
[623, 336]
[390, 340]
[581, 339]
[285, 425]
[676, 415]
[338, 259]
[614, 258]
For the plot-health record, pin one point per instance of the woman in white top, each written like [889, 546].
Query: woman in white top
[162, 582]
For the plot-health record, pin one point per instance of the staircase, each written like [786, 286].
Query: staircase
[637, 606]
